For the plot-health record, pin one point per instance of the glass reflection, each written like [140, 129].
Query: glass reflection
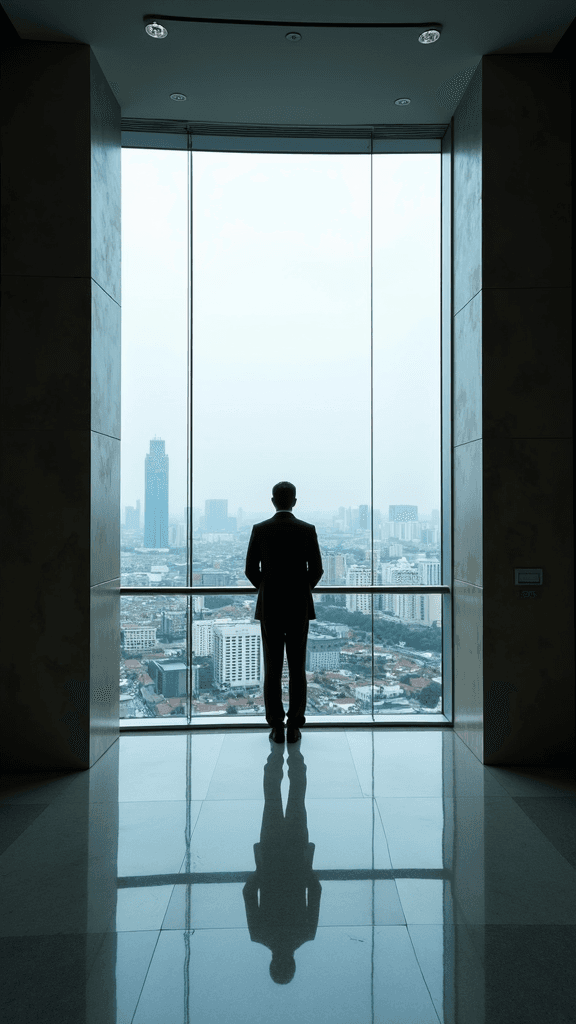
[282, 897]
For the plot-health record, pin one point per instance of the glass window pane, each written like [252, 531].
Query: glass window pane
[281, 344]
[155, 342]
[406, 275]
[154, 660]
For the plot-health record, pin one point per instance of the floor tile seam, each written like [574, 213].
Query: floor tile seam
[423, 976]
[245, 928]
[547, 838]
[152, 955]
[20, 836]
[553, 791]
[468, 926]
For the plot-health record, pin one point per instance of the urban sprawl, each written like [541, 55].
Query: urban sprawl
[366, 653]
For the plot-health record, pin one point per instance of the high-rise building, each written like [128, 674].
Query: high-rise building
[323, 654]
[202, 638]
[216, 515]
[429, 572]
[402, 574]
[238, 659]
[424, 609]
[334, 569]
[174, 623]
[403, 513]
[156, 503]
[133, 516]
[215, 578]
[169, 677]
[364, 517]
[359, 576]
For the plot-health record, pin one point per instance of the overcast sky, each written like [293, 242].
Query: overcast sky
[282, 327]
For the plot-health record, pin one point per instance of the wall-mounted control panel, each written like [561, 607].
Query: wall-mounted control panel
[528, 577]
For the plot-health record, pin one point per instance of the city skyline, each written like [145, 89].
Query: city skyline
[215, 517]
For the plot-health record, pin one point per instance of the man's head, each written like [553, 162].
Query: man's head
[284, 496]
[282, 967]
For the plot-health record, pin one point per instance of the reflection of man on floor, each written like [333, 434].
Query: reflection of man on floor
[283, 561]
[286, 914]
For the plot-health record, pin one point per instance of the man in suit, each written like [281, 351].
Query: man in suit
[283, 561]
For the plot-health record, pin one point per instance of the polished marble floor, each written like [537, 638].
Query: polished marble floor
[368, 876]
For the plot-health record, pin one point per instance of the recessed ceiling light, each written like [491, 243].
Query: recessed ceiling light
[178, 96]
[431, 36]
[403, 102]
[293, 36]
[156, 31]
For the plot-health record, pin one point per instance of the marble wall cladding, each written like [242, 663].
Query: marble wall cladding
[105, 182]
[46, 609]
[105, 403]
[467, 372]
[467, 194]
[45, 180]
[529, 644]
[467, 512]
[104, 657]
[468, 665]
[105, 509]
[512, 489]
[45, 380]
[527, 358]
[60, 404]
[526, 193]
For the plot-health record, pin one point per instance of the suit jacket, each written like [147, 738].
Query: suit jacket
[284, 562]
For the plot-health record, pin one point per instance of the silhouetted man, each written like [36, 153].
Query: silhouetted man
[284, 563]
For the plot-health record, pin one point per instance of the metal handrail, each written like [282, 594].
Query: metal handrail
[215, 591]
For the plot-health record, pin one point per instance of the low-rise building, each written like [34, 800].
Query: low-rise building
[135, 637]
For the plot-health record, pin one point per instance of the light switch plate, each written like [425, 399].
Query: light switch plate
[525, 577]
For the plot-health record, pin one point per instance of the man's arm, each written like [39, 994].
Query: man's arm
[252, 569]
[314, 559]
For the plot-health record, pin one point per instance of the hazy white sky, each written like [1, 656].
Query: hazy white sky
[281, 313]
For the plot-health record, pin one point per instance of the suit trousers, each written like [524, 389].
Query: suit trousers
[277, 634]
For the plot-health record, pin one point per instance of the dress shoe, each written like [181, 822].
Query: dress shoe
[277, 734]
[294, 734]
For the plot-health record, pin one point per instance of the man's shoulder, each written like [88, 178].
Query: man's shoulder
[308, 526]
[285, 521]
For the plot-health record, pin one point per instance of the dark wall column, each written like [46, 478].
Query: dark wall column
[60, 407]
[512, 411]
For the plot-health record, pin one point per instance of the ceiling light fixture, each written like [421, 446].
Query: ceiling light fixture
[178, 96]
[156, 31]
[432, 35]
[293, 36]
[403, 102]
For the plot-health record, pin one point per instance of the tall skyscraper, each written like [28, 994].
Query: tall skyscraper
[403, 513]
[364, 517]
[334, 569]
[133, 516]
[403, 575]
[156, 502]
[359, 576]
[216, 515]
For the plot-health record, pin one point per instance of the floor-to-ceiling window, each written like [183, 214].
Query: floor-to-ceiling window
[281, 320]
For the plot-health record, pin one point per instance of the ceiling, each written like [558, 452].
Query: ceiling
[251, 74]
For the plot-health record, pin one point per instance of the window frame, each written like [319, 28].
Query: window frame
[367, 140]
